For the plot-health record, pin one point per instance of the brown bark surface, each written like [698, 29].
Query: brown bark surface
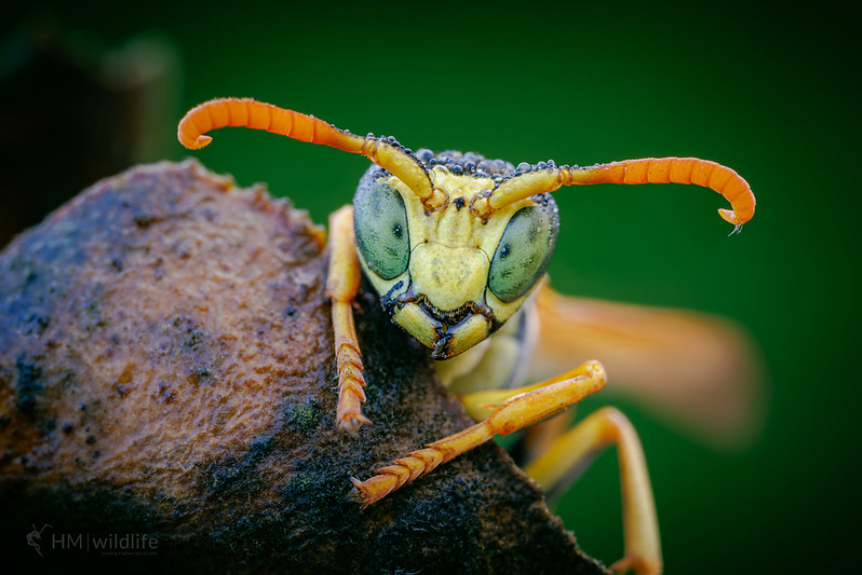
[166, 368]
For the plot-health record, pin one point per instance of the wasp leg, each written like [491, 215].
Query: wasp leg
[341, 287]
[575, 449]
[502, 412]
[539, 438]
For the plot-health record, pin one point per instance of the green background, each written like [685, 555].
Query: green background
[769, 92]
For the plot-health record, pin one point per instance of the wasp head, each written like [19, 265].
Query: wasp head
[449, 275]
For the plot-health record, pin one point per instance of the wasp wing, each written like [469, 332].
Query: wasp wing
[696, 370]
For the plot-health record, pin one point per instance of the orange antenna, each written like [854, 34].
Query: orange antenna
[719, 178]
[256, 115]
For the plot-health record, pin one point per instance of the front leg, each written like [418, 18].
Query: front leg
[341, 286]
[502, 412]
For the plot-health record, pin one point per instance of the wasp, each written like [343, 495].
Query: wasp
[457, 247]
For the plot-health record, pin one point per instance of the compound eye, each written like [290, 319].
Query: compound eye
[524, 252]
[380, 224]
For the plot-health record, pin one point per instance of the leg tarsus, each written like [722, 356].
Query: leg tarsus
[351, 380]
[400, 472]
[352, 422]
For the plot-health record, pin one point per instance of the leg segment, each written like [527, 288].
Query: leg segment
[602, 428]
[341, 286]
[503, 411]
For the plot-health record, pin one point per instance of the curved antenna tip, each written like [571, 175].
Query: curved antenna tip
[731, 217]
[201, 142]
[196, 144]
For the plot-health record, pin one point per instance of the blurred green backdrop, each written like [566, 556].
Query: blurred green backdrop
[770, 93]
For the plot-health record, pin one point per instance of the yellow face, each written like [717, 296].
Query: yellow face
[447, 276]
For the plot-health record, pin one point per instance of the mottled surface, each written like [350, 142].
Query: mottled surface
[166, 369]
